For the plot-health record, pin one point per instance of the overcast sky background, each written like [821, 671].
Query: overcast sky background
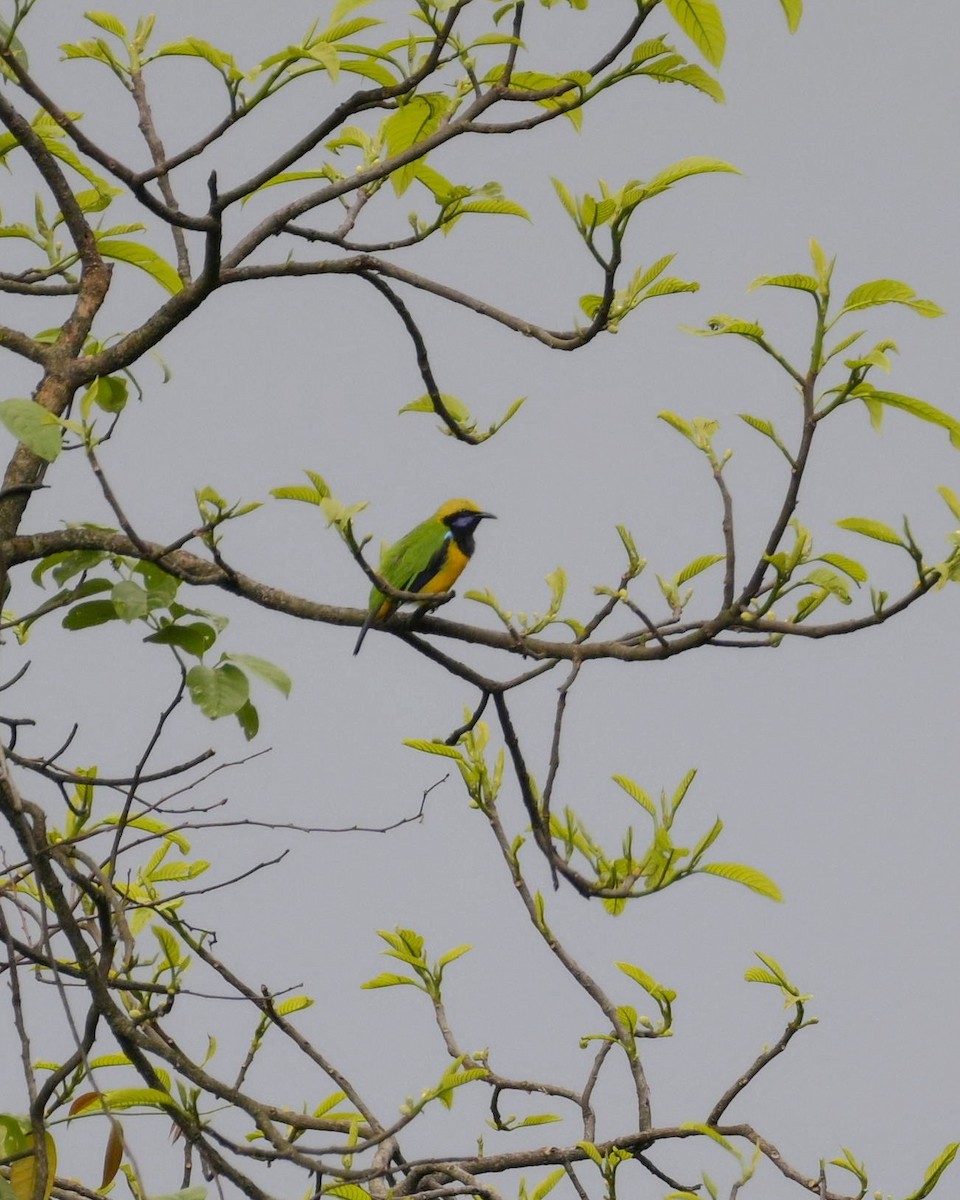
[832, 764]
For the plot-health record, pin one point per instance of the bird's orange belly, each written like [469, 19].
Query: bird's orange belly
[449, 573]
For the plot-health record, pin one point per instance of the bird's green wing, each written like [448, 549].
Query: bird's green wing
[412, 561]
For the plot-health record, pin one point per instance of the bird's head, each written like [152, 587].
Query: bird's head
[461, 515]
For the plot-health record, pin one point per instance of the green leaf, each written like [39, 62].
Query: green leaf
[951, 499]
[265, 670]
[412, 123]
[701, 21]
[327, 56]
[146, 259]
[749, 876]
[109, 22]
[304, 493]
[123, 1098]
[15, 48]
[453, 955]
[871, 529]
[249, 720]
[803, 283]
[647, 982]
[386, 979]
[107, 392]
[195, 638]
[713, 1134]
[684, 169]
[889, 291]
[566, 198]
[793, 11]
[31, 424]
[190, 1193]
[94, 612]
[130, 601]
[910, 404]
[722, 323]
[592, 1153]
[347, 1191]
[934, 1171]
[369, 68]
[545, 1186]
[539, 1119]
[293, 1004]
[440, 748]
[848, 566]
[456, 408]
[669, 71]
[637, 793]
[218, 691]
[678, 423]
[699, 564]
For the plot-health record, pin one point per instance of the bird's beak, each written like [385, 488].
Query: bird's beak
[492, 516]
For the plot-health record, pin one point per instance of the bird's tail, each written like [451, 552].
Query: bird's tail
[363, 632]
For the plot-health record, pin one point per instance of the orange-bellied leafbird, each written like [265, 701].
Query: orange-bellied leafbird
[428, 559]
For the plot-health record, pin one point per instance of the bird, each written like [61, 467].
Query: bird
[428, 559]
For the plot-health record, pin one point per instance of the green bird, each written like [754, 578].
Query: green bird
[427, 559]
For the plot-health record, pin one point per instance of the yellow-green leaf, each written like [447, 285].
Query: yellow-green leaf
[143, 257]
[749, 876]
[701, 21]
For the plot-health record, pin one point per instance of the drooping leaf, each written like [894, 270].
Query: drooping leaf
[141, 256]
[130, 600]
[413, 122]
[636, 793]
[23, 1172]
[793, 11]
[889, 291]
[264, 669]
[910, 404]
[113, 1155]
[701, 21]
[31, 424]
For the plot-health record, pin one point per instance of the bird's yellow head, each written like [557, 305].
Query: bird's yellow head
[462, 514]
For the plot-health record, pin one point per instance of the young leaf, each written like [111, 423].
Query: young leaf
[637, 793]
[951, 499]
[848, 566]
[934, 1171]
[793, 11]
[697, 566]
[802, 283]
[871, 529]
[433, 748]
[146, 259]
[889, 291]
[748, 876]
[701, 21]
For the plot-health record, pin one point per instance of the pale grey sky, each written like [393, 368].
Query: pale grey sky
[831, 763]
